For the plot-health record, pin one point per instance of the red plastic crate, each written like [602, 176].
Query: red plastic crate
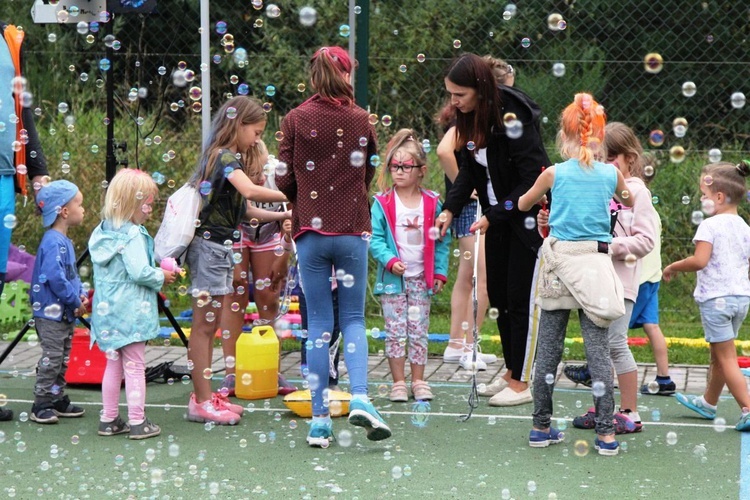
[86, 366]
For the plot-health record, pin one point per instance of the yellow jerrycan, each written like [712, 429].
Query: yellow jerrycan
[257, 364]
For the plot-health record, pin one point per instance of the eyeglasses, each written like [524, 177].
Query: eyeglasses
[404, 166]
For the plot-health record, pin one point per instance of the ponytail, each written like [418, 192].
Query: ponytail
[582, 129]
[329, 67]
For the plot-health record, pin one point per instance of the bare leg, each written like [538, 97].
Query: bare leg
[202, 344]
[725, 356]
[417, 372]
[628, 383]
[462, 308]
[233, 317]
[397, 366]
[659, 347]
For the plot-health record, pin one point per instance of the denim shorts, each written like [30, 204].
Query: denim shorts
[211, 267]
[723, 316]
[461, 224]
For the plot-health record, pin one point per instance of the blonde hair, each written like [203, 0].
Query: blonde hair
[225, 128]
[581, 129]
[503, 71]
[404, 140]
[126, 194]
[727, 178]
[620, 139]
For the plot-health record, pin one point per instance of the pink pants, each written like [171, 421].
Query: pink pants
[131, 361]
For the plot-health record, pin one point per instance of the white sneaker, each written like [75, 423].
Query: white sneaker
[509, 397]
[454, 354]
[493, 388]
[467, 363]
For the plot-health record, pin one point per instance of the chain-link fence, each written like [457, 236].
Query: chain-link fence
[649, 63]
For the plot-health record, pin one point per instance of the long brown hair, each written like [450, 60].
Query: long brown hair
[225, 127]
[470, 70]
[329, 68]
[620, 139]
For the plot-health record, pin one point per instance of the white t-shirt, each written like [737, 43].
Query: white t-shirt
[410, 236]
[481, 157]
[727, 270]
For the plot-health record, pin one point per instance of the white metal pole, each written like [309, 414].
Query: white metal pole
[205, 70]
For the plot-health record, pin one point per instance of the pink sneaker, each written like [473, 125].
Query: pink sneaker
[220, 400]
[212, 410]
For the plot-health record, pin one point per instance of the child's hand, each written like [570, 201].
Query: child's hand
[169, 276]
[399, 268]
[286, 226]
[85, 303]
[542, 222]
[437, 286]
[668, 273]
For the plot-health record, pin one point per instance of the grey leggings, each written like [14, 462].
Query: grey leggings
[552, 326]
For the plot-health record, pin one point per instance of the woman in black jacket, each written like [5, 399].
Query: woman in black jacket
[500, 153]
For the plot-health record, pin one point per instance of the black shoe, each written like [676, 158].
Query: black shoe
[6, 414]
[656, 389]
[64, 408]
[43, 413]
[578, 374]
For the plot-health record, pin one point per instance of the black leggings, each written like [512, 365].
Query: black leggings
[511, 267]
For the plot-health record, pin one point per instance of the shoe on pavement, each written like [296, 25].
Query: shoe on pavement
[43, 413]
[6, 414]
[285, 387]
[64, 408]
[211, 410]
[744, 424]
[578, 374]
[695, 403]
[237, 409]
[509, 397]
[117, 426]
[467, 363]
[541, 439]
[607, 449]
[454, 355]
[144, 430]
[363, 414]
[490, 390]
[321, 434]
[656, 389]
[227, 385]
[399, 392]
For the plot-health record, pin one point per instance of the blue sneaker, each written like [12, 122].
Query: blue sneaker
[321, 434]
[364, 414]
[695, 403]
[607, 449]
[541, 439]
[579, 374]
[744, 424]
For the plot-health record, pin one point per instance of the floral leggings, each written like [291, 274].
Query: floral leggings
[407, 315]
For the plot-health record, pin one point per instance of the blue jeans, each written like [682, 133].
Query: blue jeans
[318, 255]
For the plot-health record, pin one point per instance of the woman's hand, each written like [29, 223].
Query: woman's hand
[481, 225]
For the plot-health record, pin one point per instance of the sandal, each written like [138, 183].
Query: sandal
[421, 391]
[399, 393]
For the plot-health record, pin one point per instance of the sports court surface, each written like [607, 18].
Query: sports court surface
[430, 453]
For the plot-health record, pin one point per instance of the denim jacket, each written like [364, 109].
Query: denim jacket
[55, 285]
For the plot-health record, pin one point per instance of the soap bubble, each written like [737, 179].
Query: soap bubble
[581, 448]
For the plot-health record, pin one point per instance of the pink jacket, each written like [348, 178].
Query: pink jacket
[635, 235]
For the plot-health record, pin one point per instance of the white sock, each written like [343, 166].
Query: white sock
[105, 420]
[634, 416]
[323, 420]
[360, 397]
[139, 422]
[709, 406]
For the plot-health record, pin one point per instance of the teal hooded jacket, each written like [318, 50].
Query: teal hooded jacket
[126, 282]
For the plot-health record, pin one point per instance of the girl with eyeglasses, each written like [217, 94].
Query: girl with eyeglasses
[412, 260]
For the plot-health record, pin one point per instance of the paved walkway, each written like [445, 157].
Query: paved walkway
[688, 378]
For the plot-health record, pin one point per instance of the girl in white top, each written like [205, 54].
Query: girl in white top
[722, 291]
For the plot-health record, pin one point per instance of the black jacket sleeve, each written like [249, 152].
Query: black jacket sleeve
[35, 161]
